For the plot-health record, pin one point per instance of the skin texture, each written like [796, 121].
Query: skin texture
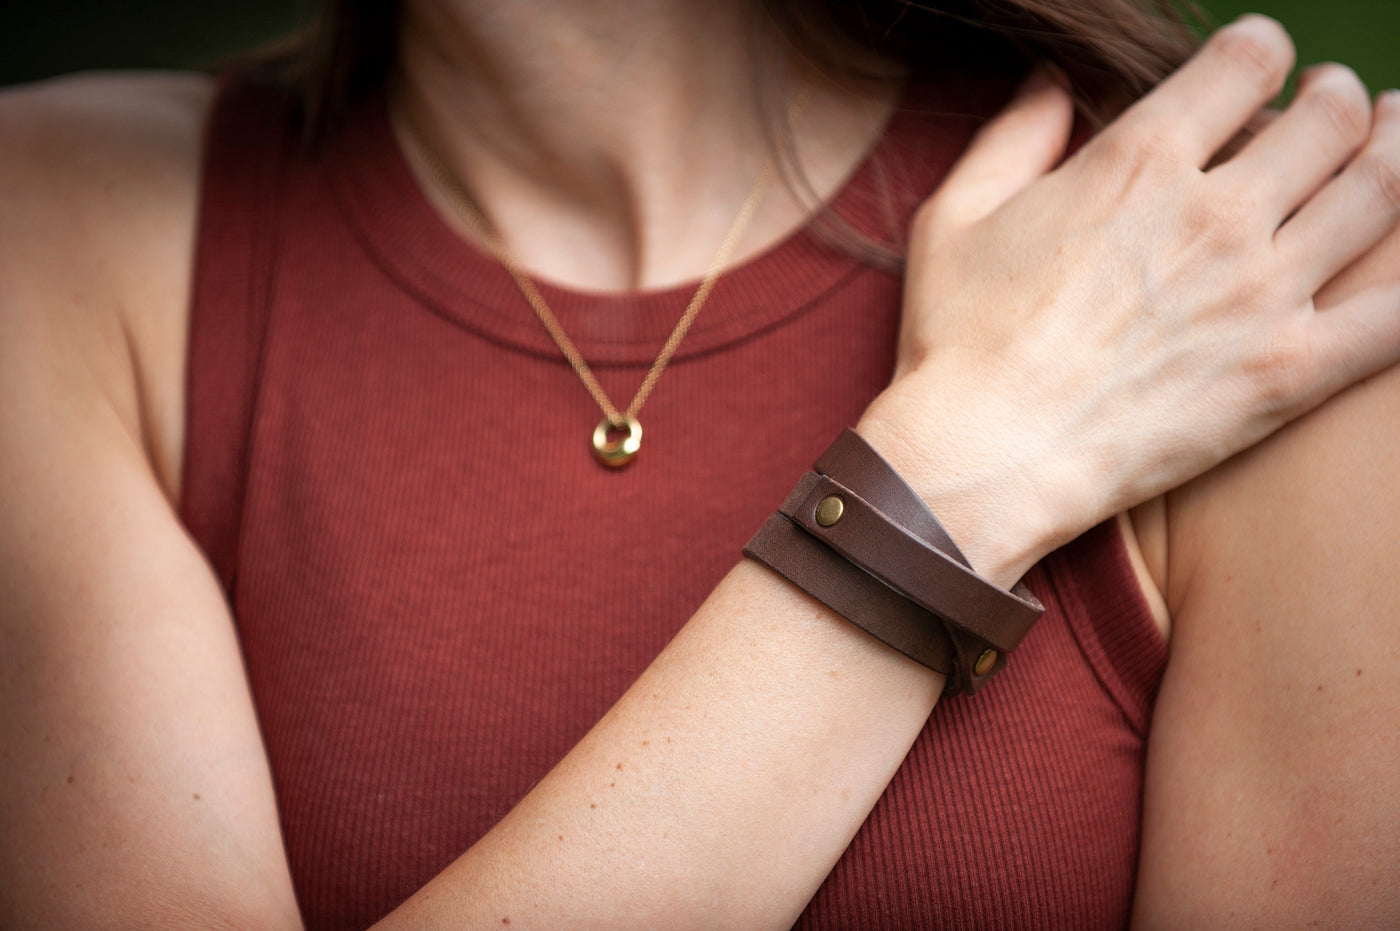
[625, 169]
[1282, 589]
[1283, 678]
[134, 785]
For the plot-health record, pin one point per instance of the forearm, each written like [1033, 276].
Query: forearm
[721, 789]
[691, 803]
[1068, 370]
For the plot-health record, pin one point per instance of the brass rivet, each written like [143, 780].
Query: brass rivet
[830, 510]
[985, 662]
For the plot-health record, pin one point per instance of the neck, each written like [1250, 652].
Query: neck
[610, 143]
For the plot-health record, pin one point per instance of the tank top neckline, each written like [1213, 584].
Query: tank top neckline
[424, 626]
[413, 244]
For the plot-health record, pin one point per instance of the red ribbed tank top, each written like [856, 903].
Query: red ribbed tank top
[438, 590]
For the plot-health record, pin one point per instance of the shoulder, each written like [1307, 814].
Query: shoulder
[1272, 790]
[126, 700]
[126, 108]
[91, 145]
[1311, 518]
[99, 175]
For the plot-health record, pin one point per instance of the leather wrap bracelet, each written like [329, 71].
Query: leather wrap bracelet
[857, 538]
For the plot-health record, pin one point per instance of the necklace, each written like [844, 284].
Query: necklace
[615, 452]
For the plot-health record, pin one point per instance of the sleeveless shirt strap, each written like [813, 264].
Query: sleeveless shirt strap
[1092, 578]
[248, 137]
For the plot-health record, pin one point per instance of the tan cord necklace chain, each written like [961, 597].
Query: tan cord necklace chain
[614, 452]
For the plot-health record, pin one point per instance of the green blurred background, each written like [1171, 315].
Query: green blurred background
[39, 38]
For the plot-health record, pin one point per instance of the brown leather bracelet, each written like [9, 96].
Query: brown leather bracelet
[848, 523]
[854, 594]
[855, 463]
[903, 579]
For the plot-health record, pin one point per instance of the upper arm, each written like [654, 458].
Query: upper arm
[1273, 782]
[134, 788]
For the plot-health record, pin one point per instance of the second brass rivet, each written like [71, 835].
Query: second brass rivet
[985, 662]
[829, 511]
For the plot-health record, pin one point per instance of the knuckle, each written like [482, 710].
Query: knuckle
[1286, 373]
[1381, 169]
[1257, 286]
[1341, 96]
[1258, 45]
[1222, 220]
[1387, 112]
[1142, 147]
[1334, 74]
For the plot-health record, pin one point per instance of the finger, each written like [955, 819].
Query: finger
[1209, 99]
[1019, 144]
[1352, 211]
[1261, 121]
[1256, 125]
[1356, 338]
[1327, 123]
[1380, 266]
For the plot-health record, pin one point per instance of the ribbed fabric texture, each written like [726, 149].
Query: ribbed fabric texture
[438, 591]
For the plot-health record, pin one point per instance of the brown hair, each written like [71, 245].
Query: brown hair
[1110, 51]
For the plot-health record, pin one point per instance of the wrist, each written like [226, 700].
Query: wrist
[857, 537]
[986, 491]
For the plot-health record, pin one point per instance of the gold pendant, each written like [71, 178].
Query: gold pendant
[617, 453]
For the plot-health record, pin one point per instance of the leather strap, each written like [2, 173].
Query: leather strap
[854, 463]
[886, 564]
[854, 594]
[935, 582]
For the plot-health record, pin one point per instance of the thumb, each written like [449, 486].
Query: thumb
[1021, 143]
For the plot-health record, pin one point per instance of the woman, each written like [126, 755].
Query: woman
[377, 464]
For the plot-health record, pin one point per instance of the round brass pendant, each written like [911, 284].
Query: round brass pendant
[617, 453]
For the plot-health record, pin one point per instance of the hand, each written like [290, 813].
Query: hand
[1077, 342]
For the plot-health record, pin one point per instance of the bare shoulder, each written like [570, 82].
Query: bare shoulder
[134, 788]
[125, 108]
[99, 177]
[1272, 795]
